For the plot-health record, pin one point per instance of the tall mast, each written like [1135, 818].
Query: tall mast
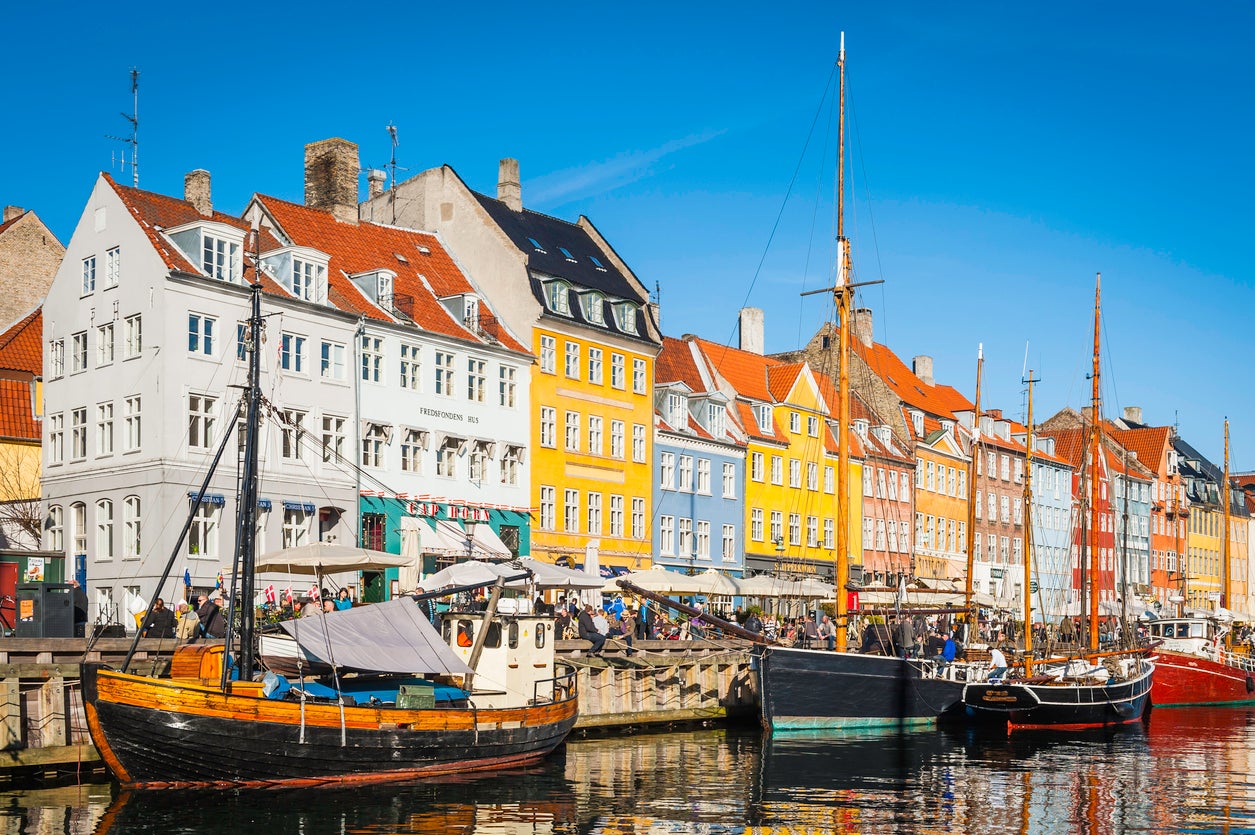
[972, 465]
[841, 295]
[1095, 449]
[1124, 550]
[1226, 498]
[1028, 531]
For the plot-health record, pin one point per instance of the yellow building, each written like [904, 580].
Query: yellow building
[791, 503]
[1203, 556]
[21, 523]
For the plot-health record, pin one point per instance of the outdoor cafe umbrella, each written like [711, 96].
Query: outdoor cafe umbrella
[661, 581]
[471, 573]
[548, 576]
[319, 558]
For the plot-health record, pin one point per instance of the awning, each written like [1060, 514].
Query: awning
[488, 544]
[443, 537]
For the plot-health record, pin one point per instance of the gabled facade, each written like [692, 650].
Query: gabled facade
[587, 322]
[999, 536]
[888, 499]
[1204, 541]
[29, 258]
[699, 448]
[1051, 533]
[941, 498]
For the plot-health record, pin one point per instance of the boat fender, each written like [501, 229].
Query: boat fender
[1250, 684]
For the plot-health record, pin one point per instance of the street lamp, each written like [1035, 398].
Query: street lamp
[470, 537]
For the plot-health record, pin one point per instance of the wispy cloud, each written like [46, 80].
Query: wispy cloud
[606, 175]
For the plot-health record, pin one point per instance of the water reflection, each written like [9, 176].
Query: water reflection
[1186, 771]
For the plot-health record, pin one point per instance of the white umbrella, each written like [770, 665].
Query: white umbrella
[592, 567]
[327, 558]
[470, 573]
[411, 548]
[661, 581]
[764, 585]
[548, 576]
[716, 583]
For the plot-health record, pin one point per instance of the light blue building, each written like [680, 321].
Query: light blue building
[1052, 520]
[1131, 501]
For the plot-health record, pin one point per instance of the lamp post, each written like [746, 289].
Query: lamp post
[779, 540]
[470, 537]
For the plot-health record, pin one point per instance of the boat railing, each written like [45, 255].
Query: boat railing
[1236, 660]
[561, 688]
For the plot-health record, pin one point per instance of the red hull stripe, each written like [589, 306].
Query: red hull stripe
[1189, 680]
[1085, 726]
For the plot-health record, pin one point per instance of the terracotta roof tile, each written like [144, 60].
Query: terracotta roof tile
[781, 379]
[21, 346]
[675, 364]
[935, 399]
[744, 370]
[16, 420]
[1151, 444]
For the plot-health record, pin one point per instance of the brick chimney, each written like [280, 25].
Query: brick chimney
[196, 191]
[863, 325]
[751, 320]
[1132, 414]
[923, 368]
[11, 212]
[509, 190]
[331, 172]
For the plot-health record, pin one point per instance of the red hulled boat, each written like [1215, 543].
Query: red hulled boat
[1193, 666]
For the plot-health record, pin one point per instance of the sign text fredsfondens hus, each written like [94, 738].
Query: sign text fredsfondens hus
[439, 413]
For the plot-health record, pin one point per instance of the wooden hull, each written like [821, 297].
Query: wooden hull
[1024, 705]
[155, 733]
[805, 689]
[1182, 679]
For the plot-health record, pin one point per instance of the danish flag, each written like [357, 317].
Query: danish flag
[270, 593]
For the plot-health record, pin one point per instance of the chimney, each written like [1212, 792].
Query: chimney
[331, 171]
[375, 179]
[752, 329]
[11, 212]
[509, 191]
[1132, 414]
[923, 368]
[196, 191]
[863, 325]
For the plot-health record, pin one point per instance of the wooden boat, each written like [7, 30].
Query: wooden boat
[1096, 691]
[816, 689]
[209, 723]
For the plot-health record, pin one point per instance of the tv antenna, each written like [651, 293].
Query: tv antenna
[392, 163]
[133, 139]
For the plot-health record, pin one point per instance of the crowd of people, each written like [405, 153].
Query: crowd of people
[208, 620]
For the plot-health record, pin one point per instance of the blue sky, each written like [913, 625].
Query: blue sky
[1000, 157]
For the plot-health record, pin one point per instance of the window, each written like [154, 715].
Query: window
[134, 336]
[548, 354]
[1006, 548]
[220, 258]
[409, 366]
[56, 528]
[104, 428]
[1019, 471]
[295, 527]
[828, 533]
[616, 371]
[795, 422]
[595, 374]
[56, 359]
[478, 461]
[558, 295]
[795, 529]
[202, 411]
[703, 540]
[762, 414]
[548, 428]
[1018, 511]
[200, 334]
[332, 438]
[686, 473]
[756, 524]
[1005, 503]
[292, 353]
[932, 476]
[640, 383]
[777, 470]
[547, 501]
[571, 511]
[573, 431]
[616, 439]
[104, 344]
[638, 443]
[307, 277]
[728, 553]
[594, 514]
[812, 531]
[56, 438]
[113, 267]
[241, 341]
[511, 462]
[411, 451]
[476, 380]
[291, 435]
[992, 506]
[867, 481]
[78, 352]
[104, 530]
[980, 499]
[829, 480]
[78, 434]
[684, 539]
[372, 359]
[506, 386]
[963, 484]
[666, 535]
[373, 441]
[638, 518]
[89, 275]
[131, 528]
[447, 457]
[1006, 468]
[78, 522]
[951, 479]
[756, 466]
[880, 535]
[795, 473]
[812, 426]
[444, 374]
[594, 435]
[572, 355]
[666, 470]
[777, 526]
[202, 537]
[729, 481]
[625, 316]
[333, 365]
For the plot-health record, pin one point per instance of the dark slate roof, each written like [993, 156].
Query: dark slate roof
[554, 235]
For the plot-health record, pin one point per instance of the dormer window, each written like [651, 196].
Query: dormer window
[307, 277]
[625, 316]
[593, 305]
[536, 246]
[383, 286]
[597, 263]
[470, 313]
[762, 414]
[917, 423]
[566, 253]
[677, 406]
[716, 419]
[220, 258]
[558, 297]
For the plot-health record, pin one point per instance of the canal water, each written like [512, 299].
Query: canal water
[1189, 770]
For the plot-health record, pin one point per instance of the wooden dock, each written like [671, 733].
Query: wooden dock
[43, 731]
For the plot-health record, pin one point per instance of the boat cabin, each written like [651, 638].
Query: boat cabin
[1194, 636]
[516, 662]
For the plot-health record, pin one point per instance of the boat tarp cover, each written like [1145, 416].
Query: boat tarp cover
[390, 637]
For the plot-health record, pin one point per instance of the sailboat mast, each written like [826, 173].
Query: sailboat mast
[1028, 531]
[841, 295]
[1123, 585]
[972, 464]
[1226, 498]
[1095, 449]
